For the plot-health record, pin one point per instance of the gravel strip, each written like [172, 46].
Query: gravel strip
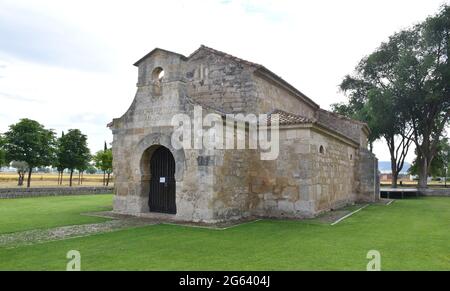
[44, 235]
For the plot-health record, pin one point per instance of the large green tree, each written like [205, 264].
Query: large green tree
[426, 77]
[73, 152]
[30, 142]
[403, 91]
[375, 98]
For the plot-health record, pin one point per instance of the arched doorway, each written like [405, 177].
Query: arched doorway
[162, 182]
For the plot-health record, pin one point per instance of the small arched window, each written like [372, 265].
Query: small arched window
[351, 157]
[158, 75]
[321, 150]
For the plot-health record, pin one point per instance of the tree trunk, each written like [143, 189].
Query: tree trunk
[71, 175]
[29, 177]
[104, 178]
[394, 171]
[423, 172]
[107, 180]
[82, 175]
[79, 177]
[21, 176]
[394, 180]
[62, 177]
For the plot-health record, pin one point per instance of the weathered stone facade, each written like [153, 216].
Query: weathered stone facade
[323, 161]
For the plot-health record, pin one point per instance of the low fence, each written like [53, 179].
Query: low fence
[6, 193]
[413, 192]
[435, 192]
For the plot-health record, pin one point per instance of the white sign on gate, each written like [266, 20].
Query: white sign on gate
[162, 179]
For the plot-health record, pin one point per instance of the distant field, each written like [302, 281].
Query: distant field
[51, 180]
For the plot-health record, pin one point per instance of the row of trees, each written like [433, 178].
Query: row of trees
[27, 145]
[402, 91]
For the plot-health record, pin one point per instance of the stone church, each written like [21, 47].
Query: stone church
[323, 162]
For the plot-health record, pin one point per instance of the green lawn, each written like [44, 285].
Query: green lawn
[46, 212]
[411, 234]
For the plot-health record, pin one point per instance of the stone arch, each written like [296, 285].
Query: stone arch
[141, 164]
[157, 75]
[148, 144]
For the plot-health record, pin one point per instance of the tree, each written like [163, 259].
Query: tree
[103, 161]
[73, 152]
[108, 158]
[2, 151]
[357, 107]
[82, 167]
[22, 168]
[91, 169]
[405, 87]
[375, 98]
[427, 75]
[30, 142]
[440, 164]
[60, 160]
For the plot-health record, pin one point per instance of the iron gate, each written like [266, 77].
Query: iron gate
[162, 182]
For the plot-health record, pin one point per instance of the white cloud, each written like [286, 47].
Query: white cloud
[311, 44]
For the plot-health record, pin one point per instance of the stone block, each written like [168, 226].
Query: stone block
[286, 206]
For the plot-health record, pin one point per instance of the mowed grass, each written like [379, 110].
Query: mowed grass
[412, 234]
[47, 212]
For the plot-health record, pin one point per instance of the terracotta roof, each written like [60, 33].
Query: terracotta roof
[287, 118]
[339, 116]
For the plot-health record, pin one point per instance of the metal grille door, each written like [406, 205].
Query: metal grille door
[162, 182]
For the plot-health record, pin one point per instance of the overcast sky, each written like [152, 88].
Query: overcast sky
[68, 64]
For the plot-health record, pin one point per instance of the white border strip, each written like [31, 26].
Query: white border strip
[348, 215]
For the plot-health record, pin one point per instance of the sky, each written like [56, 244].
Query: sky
[68, 64]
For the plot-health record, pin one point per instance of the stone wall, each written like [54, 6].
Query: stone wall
[51, 191]
[132, 161]
[301, 182]
[221, 83]
[333, 171]
[367, 180]
[349, 128]
[286, 183]
[271, 97]
[442, 192]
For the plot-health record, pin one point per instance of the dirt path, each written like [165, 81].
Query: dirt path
[29, 237]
